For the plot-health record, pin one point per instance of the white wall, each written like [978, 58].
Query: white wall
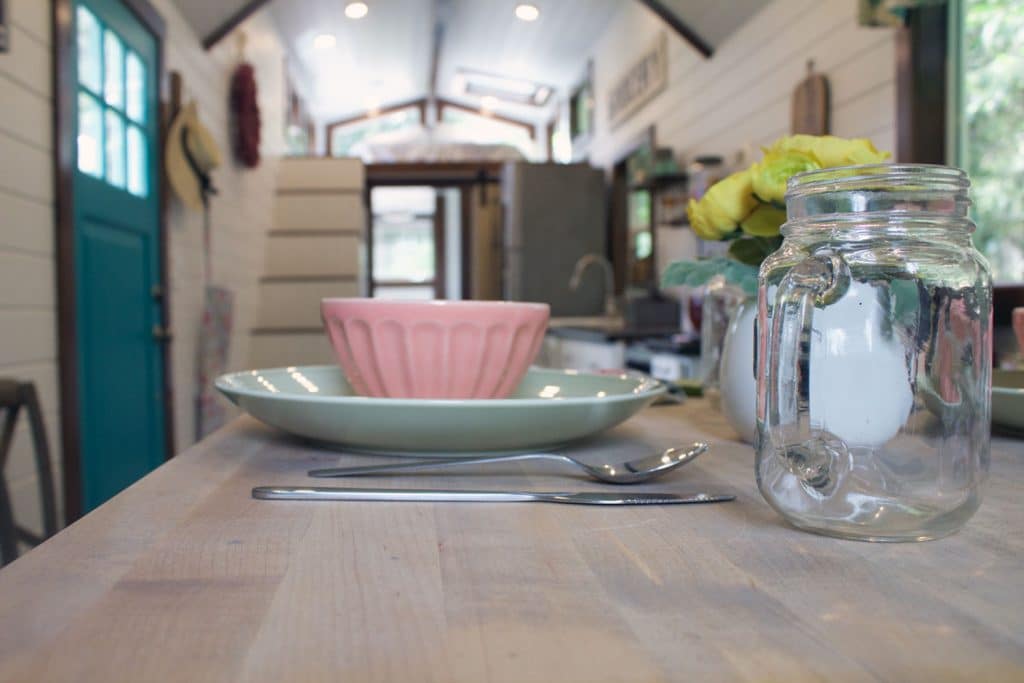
[740, 98]
[28, 319]
[241, 215]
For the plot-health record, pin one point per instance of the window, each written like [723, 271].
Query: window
[991, 127]
[111, 143]
[344, 137]
[487, 130]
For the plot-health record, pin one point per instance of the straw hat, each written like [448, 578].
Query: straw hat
[190, 156]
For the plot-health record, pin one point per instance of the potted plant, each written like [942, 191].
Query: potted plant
[747, 209]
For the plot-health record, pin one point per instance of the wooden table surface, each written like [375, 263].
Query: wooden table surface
[184, 577]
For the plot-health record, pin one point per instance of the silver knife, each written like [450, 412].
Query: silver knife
[456, 496]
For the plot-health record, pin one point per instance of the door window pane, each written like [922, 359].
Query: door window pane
[137, 181]
[90, 136]
[135, 82]
[89, 60]
[113, 70]
[114, 146]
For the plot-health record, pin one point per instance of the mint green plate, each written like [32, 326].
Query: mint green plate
[549, 408]
[1008, 399]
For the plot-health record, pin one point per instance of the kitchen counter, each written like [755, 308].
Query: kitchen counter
[184, 577]
[611, 333]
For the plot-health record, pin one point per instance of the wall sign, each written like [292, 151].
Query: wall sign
[643, 80]
[4, 35]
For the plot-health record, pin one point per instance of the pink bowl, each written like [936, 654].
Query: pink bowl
[434, 349]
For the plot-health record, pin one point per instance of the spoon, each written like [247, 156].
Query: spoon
[629, 472]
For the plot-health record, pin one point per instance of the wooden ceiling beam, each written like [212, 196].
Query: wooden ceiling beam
[679, 26]
[232, 22]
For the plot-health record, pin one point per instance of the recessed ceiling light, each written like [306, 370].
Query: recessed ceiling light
[527, 12]
[488, 102]
[356, 10]
[325, 41]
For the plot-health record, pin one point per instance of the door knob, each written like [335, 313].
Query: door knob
[162, 334]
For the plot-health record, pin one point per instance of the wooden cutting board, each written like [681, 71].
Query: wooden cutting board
[810, 109]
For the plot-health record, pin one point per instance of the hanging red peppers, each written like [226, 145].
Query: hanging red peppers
[246, 113]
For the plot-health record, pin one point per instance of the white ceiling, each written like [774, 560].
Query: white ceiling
[484, 35]
[385, 57]
[379, 59]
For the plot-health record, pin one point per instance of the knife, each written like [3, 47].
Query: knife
[456, 496]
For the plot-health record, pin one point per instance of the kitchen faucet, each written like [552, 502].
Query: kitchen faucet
[610, 308]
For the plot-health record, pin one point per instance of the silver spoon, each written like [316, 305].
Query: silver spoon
[629, 472]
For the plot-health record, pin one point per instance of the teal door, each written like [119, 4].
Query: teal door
[117, 250]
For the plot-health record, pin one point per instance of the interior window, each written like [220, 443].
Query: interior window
[344, 137]
[485, 130]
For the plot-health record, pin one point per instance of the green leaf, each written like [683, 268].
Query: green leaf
[753, 250]
[697, 273]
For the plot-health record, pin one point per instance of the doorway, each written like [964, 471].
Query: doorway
[434, 230]
[111, 251]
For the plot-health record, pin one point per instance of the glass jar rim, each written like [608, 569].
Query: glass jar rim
[927, 177]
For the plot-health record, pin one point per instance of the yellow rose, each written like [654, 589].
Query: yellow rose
[722, 207]
[769, 176]
[765, 221]
[831, 151]
[699, 222]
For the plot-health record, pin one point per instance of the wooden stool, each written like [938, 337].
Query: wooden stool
[14, 396]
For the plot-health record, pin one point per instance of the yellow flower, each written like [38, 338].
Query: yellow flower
[765, 221]
[831, 151]
[723, 206]
[699, 222]
[769, 176]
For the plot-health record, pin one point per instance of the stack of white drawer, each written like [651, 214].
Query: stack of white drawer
[313, 251]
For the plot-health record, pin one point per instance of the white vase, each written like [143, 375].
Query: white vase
[737, 385]
[862, 396]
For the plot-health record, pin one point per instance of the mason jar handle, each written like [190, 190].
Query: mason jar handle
[807, 453]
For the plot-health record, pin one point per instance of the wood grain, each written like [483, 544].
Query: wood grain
[184, 577]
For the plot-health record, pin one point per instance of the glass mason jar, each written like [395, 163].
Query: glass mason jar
[874, 355]
[721, 299]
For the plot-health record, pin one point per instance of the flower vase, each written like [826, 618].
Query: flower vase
[737, 382]
[720, 299]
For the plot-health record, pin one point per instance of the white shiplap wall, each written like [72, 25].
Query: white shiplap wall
[241, 215]
[241, 211]
[28, 338]
[740, 98]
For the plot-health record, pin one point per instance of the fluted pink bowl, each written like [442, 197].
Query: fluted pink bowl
[434, 349]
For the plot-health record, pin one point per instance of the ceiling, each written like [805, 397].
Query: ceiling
[385, 57]
[380, 59]
[484, 35]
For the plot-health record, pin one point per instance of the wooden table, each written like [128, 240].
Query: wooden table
[184, 577]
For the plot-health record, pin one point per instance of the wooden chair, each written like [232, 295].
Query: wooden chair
[14, 396]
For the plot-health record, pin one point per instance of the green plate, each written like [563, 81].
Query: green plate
[549, 408]
[1008, 399]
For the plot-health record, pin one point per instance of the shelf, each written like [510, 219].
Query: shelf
[660, 182]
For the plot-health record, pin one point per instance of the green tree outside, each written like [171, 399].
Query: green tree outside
[993, 87]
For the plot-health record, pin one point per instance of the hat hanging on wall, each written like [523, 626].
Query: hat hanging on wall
[191, 155]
